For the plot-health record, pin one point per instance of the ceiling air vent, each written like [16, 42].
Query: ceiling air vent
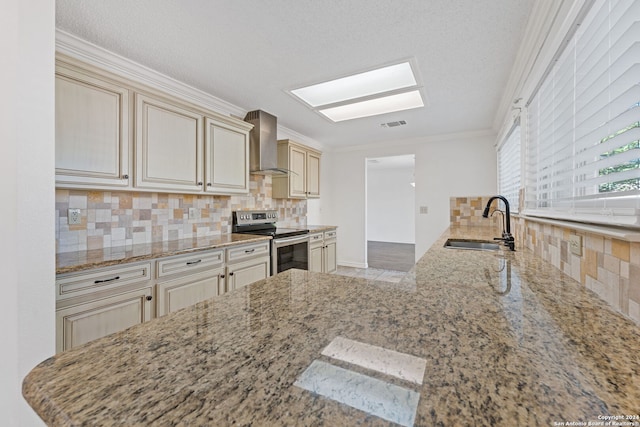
[393, 124]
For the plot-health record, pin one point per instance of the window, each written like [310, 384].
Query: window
[583, 133]
[509, 167]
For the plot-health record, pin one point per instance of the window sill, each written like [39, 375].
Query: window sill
[626, 234]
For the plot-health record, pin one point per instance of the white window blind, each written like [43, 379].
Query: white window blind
[583, 133]
[509, 167]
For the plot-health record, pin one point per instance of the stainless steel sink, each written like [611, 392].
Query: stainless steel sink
[469, 244]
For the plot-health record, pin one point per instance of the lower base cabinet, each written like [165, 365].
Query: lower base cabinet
[245, 273]
[184, 292]
[322, 252]
[95, 303]
[79, 324]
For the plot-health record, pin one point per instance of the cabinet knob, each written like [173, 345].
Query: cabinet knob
[200, 183]
[149, 297]
[222, 276]
[125, 176]
[209, 184]
[231, 274]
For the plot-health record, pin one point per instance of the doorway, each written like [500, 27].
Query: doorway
[390, 212]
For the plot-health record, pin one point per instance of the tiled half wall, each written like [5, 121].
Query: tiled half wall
[609, 267]
[122, 218]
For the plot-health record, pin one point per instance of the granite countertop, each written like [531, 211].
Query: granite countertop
[318, 228]
[466, 338]
[68, 262]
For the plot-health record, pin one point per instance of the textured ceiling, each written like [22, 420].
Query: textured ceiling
[249, 52]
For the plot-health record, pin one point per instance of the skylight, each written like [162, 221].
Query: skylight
[373, 107]
[383, 90]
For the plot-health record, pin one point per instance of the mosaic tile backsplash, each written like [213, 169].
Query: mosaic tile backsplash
[467, 211]
[123, 218]
[609, 267]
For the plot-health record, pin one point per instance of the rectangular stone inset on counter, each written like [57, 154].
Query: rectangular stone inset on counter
[376, 397]
[399, 365]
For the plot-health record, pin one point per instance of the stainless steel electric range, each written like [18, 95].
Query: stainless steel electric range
[289, 246]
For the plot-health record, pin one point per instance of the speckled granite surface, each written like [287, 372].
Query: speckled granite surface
[84, 260]
[505, 340]
[317, 228]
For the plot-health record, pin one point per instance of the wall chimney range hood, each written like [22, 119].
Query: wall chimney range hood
[263, 144]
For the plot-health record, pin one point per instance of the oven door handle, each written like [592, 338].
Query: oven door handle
[287, 241]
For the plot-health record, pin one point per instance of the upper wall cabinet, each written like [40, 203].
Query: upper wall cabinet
[303, 181]
[92, 130]
[176, 145]
[169, 146]
[226, 156]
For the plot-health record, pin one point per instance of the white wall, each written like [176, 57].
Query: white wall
[391, 205]
[454, 165]
[27, 258]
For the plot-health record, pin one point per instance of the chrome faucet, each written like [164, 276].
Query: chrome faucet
[507, 238]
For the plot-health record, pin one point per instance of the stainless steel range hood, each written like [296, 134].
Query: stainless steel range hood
[263, 144]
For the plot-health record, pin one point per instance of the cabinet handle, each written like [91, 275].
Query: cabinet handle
[107, 280]
[149, 297]
[249, 251]
[125, 176]
[209, 184]
[231, 274]
[222, 276]
[200, 183]
[194, 262]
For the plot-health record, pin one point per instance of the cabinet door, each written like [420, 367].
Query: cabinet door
[315, 259]
[227, 158]
[242, 274]
[330, 263]
[82, 323]
[313, 175]
[297, 177]
[169, 147]
[184, 292]
[92, 131]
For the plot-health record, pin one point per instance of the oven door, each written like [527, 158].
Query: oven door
[289, 252]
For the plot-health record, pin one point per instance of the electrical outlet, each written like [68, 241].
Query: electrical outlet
[424, 209]
[74, 217]
[194, 213]
[575, 244]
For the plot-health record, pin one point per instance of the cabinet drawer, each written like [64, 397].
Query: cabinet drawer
[328, 235]
[79, 284]
[190, 263]
[240, 253]
[315, 240]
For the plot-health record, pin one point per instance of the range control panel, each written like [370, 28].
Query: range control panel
[254, 217]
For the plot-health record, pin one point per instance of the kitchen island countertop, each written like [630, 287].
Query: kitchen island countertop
[498, 338]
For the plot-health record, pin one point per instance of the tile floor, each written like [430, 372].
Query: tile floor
[372, 273]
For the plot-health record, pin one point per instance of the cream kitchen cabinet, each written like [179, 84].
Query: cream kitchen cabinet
[226, 156]
[329, 255]
[92, 129]
[322, 252]
[303, 180]
[316, 247]
[90, 305]
[247, 264]
[172, 154]
[185, 280]
[168, 145]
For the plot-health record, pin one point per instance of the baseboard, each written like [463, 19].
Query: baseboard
[353, 264]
